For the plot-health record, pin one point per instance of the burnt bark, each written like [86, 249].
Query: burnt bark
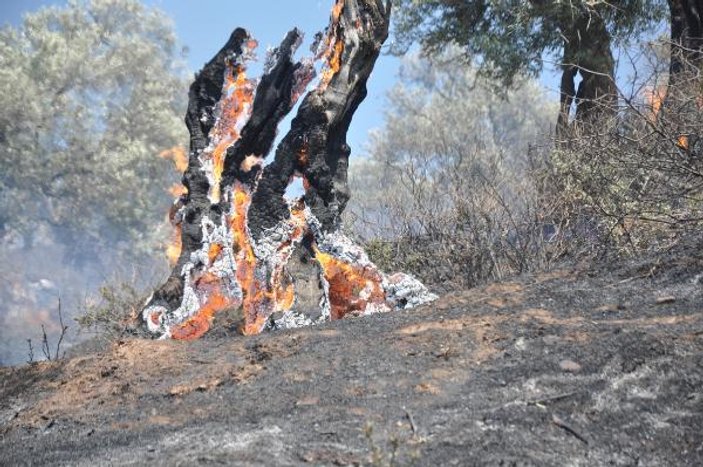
[316, 146]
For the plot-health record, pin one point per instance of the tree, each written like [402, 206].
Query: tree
[686, 37]
[90, 94]
[507, 38]
[447, 170]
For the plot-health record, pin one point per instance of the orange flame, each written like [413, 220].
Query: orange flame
[654, 98]
[333, 64]
[246, 262]
[235, 108]
[178, 155]
[333, 47]
[197, 325]
[337, 10]
[285, 297]
[173, 249]
[682, 142]
[178, 190]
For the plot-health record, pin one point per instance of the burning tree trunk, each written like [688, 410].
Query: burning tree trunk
[237, 230]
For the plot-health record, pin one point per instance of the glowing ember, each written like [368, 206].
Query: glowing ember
[333, 64]
[233, 112]
[333, 47]
[352, 288]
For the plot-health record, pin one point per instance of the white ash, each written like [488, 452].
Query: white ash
[207, 166]
[325, 305]
[247, 54]
[204, 117]
[271, 239]
[190, 304]
[343, 248]
[272, 54]
[373, 308]
[293, 319]
[178, 215]
[160, 311]
[405, 291]
[224, 267]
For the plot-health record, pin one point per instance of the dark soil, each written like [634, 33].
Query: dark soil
[585, 365]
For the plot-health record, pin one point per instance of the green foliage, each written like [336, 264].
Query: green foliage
[114, 310]
[508, 38]
[90, 94]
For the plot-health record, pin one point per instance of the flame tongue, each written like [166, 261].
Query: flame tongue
[178, 156]
[173, 249]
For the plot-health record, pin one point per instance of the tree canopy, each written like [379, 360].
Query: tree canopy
[90, 94]
[507, 38]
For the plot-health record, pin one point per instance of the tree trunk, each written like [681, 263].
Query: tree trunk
[238, 230]
[586, 52]
[686, 37]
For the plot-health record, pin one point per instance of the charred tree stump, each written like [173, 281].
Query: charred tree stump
[238, 231]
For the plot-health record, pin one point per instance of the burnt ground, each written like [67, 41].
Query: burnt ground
[584, 365]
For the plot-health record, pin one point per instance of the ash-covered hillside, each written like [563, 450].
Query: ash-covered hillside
[590, 364]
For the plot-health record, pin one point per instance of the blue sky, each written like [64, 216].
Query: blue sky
[204, 26]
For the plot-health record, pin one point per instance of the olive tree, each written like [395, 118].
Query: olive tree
[509, 38]
[90, 94]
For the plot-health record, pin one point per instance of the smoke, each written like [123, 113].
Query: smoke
[38, 271]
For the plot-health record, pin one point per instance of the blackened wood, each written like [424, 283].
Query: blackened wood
[274, 99]
[316, 144]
